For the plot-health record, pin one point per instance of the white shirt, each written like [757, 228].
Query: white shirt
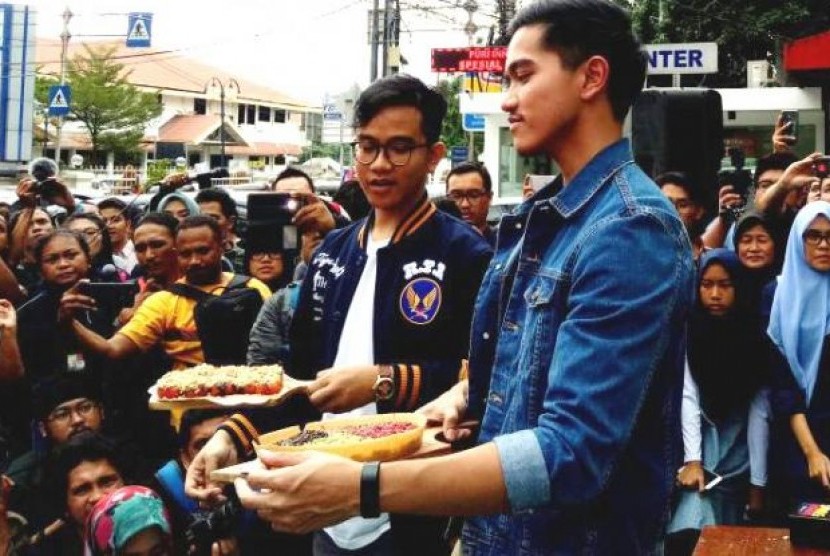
[125, 259]
[357, 347]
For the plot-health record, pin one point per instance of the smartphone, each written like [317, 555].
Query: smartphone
[273, 207]
[821, 166]
[790, 117]
[112, 294]
[711, 479]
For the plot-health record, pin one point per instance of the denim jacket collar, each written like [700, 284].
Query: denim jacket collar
[590, 179]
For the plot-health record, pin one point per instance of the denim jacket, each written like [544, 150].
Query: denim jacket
[577, 364]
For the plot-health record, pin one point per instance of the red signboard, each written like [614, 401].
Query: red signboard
[472, 58]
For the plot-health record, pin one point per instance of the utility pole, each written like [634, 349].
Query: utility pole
[373, 70]
[65, 36]
[470, 7]
[387, 10]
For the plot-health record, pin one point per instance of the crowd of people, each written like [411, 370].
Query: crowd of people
[562, 332]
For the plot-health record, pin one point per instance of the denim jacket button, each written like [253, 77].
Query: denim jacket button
[486, 335]
[495, 399]
[518, 225]
[498, 266]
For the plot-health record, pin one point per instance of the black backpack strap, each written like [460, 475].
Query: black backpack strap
[238, 281]
[190, 292]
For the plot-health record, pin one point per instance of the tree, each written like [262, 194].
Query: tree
[743, 30]
[452, 132]
[113, 111]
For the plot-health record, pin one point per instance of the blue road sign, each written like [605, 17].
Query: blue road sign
[330, 112]
[458, 155]
[473, 122]
[139, 30]
[59, 98]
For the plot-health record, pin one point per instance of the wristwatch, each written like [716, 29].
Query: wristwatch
[384, 384]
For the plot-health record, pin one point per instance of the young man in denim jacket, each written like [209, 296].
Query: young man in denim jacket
[577, 339]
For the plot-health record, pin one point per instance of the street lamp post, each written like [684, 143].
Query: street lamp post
[231, 82]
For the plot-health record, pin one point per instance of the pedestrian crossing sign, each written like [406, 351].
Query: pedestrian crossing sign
[59, 99]
[139, 30]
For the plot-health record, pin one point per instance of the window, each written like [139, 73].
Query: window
[251, 114]
[199, 106]
[279, 160]
[264, 114]
[280, 116]
[240, 114]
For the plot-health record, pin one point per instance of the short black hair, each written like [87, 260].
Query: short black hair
[774, 161]
[193, 417]
[681, 180]
[217, 195]
[41, 244]
[469, 167]
[352, 198]
[402, 90]
[200, 221]
[449, 206]
[162, 219]
[113, 203]
[293, 172]
[579, 29]
[83, 447]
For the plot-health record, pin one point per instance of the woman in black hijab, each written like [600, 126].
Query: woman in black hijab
[725, 355]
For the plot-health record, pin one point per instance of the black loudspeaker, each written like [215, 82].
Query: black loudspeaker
[680, 131]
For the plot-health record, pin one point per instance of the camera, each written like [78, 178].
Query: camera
[821, 167]
[210, 526]
[44, 170]
[739, 178]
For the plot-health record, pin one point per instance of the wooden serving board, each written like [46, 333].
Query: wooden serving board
[431, 446]
[290, 387]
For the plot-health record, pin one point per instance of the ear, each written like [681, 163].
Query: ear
[436, 152]
[184, 459]
[596, 72]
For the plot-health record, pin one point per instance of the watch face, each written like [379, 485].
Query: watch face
[384, 388]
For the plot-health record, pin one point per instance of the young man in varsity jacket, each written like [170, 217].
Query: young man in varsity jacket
[384, 313]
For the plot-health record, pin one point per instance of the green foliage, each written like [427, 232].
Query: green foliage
[321, 150]
[743, 30]
[157, 170]
[113, 111]
[452, 132]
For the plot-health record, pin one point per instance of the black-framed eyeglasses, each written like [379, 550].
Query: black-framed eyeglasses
[472, 195]
[262, 255]
[815, 237]
[397, 153]
[63, 414]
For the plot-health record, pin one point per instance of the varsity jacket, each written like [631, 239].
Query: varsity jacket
[427, 280]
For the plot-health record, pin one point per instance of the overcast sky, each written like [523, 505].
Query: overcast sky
[305, 48]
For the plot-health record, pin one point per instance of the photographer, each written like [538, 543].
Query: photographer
[43, 188]
[315, 214]
[196, 428]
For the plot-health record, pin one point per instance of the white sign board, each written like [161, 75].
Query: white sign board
[674, 59]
